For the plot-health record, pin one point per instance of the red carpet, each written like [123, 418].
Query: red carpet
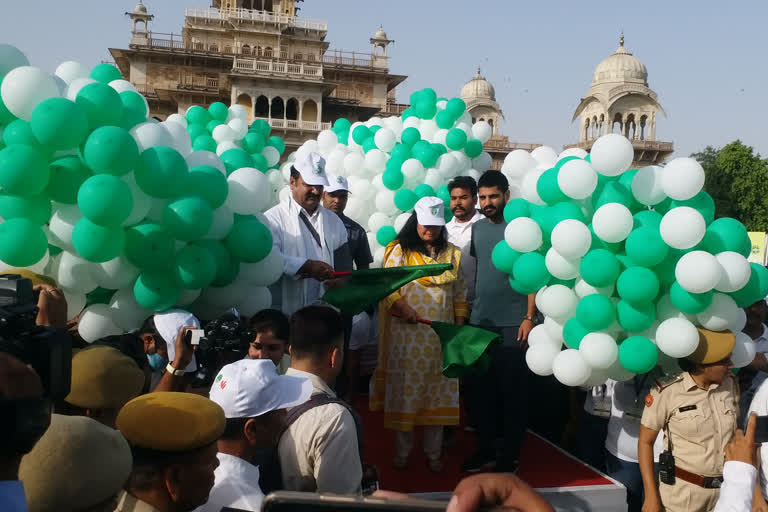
[541, 464]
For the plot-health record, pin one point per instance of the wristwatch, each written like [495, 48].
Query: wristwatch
[173, 371]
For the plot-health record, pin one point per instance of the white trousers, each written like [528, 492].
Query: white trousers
[433, 442]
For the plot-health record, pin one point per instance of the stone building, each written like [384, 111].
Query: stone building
[259, 54]
[620, 101]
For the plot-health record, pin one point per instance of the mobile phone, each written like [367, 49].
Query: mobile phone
[196, 335]
[288, 501]
[761, 429]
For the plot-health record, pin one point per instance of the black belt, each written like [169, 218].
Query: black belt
[707, 482]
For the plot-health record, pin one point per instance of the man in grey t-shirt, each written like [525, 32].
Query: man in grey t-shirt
[500, 397]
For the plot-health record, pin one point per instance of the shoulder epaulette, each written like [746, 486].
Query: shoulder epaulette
[663, 383]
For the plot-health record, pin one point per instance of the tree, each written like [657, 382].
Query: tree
[737, 179]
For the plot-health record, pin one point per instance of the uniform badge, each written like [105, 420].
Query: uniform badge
[648, 400]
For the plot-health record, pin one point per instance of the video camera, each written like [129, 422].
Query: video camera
[225, 341]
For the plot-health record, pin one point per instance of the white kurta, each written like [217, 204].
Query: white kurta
[236, 486]
[460, 235]
[297, 245]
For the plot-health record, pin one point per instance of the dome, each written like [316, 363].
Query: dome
[478, 88]
[622, 66]
[140, 9]
[380, 34]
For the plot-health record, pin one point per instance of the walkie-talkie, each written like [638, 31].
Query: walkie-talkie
[667, 467]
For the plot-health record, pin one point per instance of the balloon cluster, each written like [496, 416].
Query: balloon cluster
[392, 162]
[141, 214]
[627, 263]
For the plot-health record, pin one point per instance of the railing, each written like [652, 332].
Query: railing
[642, 145]
[395, 108]
[274, 67]
[502, 143]
[347, 58]
[293, 124]
[146, 90]
[249, 15]
[207, 83]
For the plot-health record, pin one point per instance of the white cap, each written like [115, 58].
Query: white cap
[168, 325]
[430, 211]
[336, 183]
[311, 166]
[252, 387]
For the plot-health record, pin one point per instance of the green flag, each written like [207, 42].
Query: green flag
[465, 348]
[367, 287]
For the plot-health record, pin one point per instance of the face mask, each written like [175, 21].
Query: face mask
[156, 361]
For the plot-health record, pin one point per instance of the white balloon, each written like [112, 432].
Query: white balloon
[559, 266]
[272, 155]
[249, 191]
[223, 219]
[413, 172]
[385, 139]
[545, 156]
[677, 337]
[582, 289]
[571, 238]
[482, 131]
[539, 335]
[736, 271]
[440, 136]
[264, 273]
[71, 70]
[257, 299]
[577, 179]
[197, 158]
[683, 178]
[127, 313]
[150, 134]
[554, 329]
[76, 86]
[433, 179]
[375, 161]
[570, 368]
[377, 221]
[354, 163]
[618, 373]
[613, 222]
[334, 164]
[577, 152]
[518, 162]
[23, 88]
[666, 310]
[223, 133]
[720, 314]
[599, 350]
[76, 301]
[180, 136]
[743, 351]
[463, 161]
[698, 272]
[141, 202]
[327, 140]
[739, 321]
[62, 223]
[225, 146]
[612, 154]
[114, 274]
[541, 357]
[239, 127]
[96, 322]
[523, 234]
[237, 112]
[682, 227]
[385, 202]
[647, 185]
[557, 301]
[483, 162]
[428, 128]
[401, 220]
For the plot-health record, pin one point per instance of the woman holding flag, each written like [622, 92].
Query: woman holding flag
[409, 385]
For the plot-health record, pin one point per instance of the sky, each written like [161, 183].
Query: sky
[705, 59]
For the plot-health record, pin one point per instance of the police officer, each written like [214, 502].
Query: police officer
[698, 412]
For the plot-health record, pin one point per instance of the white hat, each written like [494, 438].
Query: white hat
[168, 325]
[311, 166]
[252, 387]
[336, 183]
[430, 211]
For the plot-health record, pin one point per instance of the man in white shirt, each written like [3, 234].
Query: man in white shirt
[463, 190]
[739, 473]
[309, 237]
[254, 398]
[319, 452]
[751, 377]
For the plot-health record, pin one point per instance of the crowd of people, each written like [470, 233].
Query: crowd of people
[137, 433]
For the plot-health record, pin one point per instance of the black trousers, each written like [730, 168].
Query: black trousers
[498, 400]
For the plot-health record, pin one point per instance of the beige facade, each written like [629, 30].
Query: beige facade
[259, 54]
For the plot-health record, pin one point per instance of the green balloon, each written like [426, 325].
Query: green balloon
[638, 285]
[473, 148]
[342, 124]
[219, 111]
[385, 235]
[645, 247]
[439, 148]
[261, 127]
[521, 288]
[149, 246]
[134, 109]
[424, 190]
[517, 207]
[253, 143]
[401, 152]
[105, 200]
[101, 103]
[188, 218]
[548, 188]
[599, 268]
[635, 318]
[426, 108]
[97, 243]
[67, 174]
[277, 143]
[235, 159]
[20, 132]
[106, 73]
[663, 207]
[5, 114]
[35, 208]
[22, 242]
[249, 240]
[445, 120]
[156, 290]
[198, 115]
[393, 179]
[665, 270]
[428, 157]
[227, 267]
[638, 354]
[204, 143]
[647, 219]
[369, 144]
[59, 123]
[687, 302]
[195, 267]
[410, 136]
[756, 288]
[613, 192]
[573, 333]
[530, 270]
[726, 234]
[161, 171]
[111, 150]
[212, 125]
[456, 106]
[23, 171]
[197, 130]
[597, 243]
[208, 183]
[260, 163]
[702, 202]
[360, 134]
[560, 163]
[504, 257]
[405, 199]
[596, 312]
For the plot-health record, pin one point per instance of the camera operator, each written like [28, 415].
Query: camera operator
[169, 350]
[51, 304]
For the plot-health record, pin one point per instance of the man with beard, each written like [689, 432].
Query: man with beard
[310, 238]
[463, 192]
[499, 398]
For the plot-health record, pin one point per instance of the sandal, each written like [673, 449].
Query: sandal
[435, 465]
[399, 462]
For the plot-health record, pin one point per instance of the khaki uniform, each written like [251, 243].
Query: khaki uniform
[699, 424]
